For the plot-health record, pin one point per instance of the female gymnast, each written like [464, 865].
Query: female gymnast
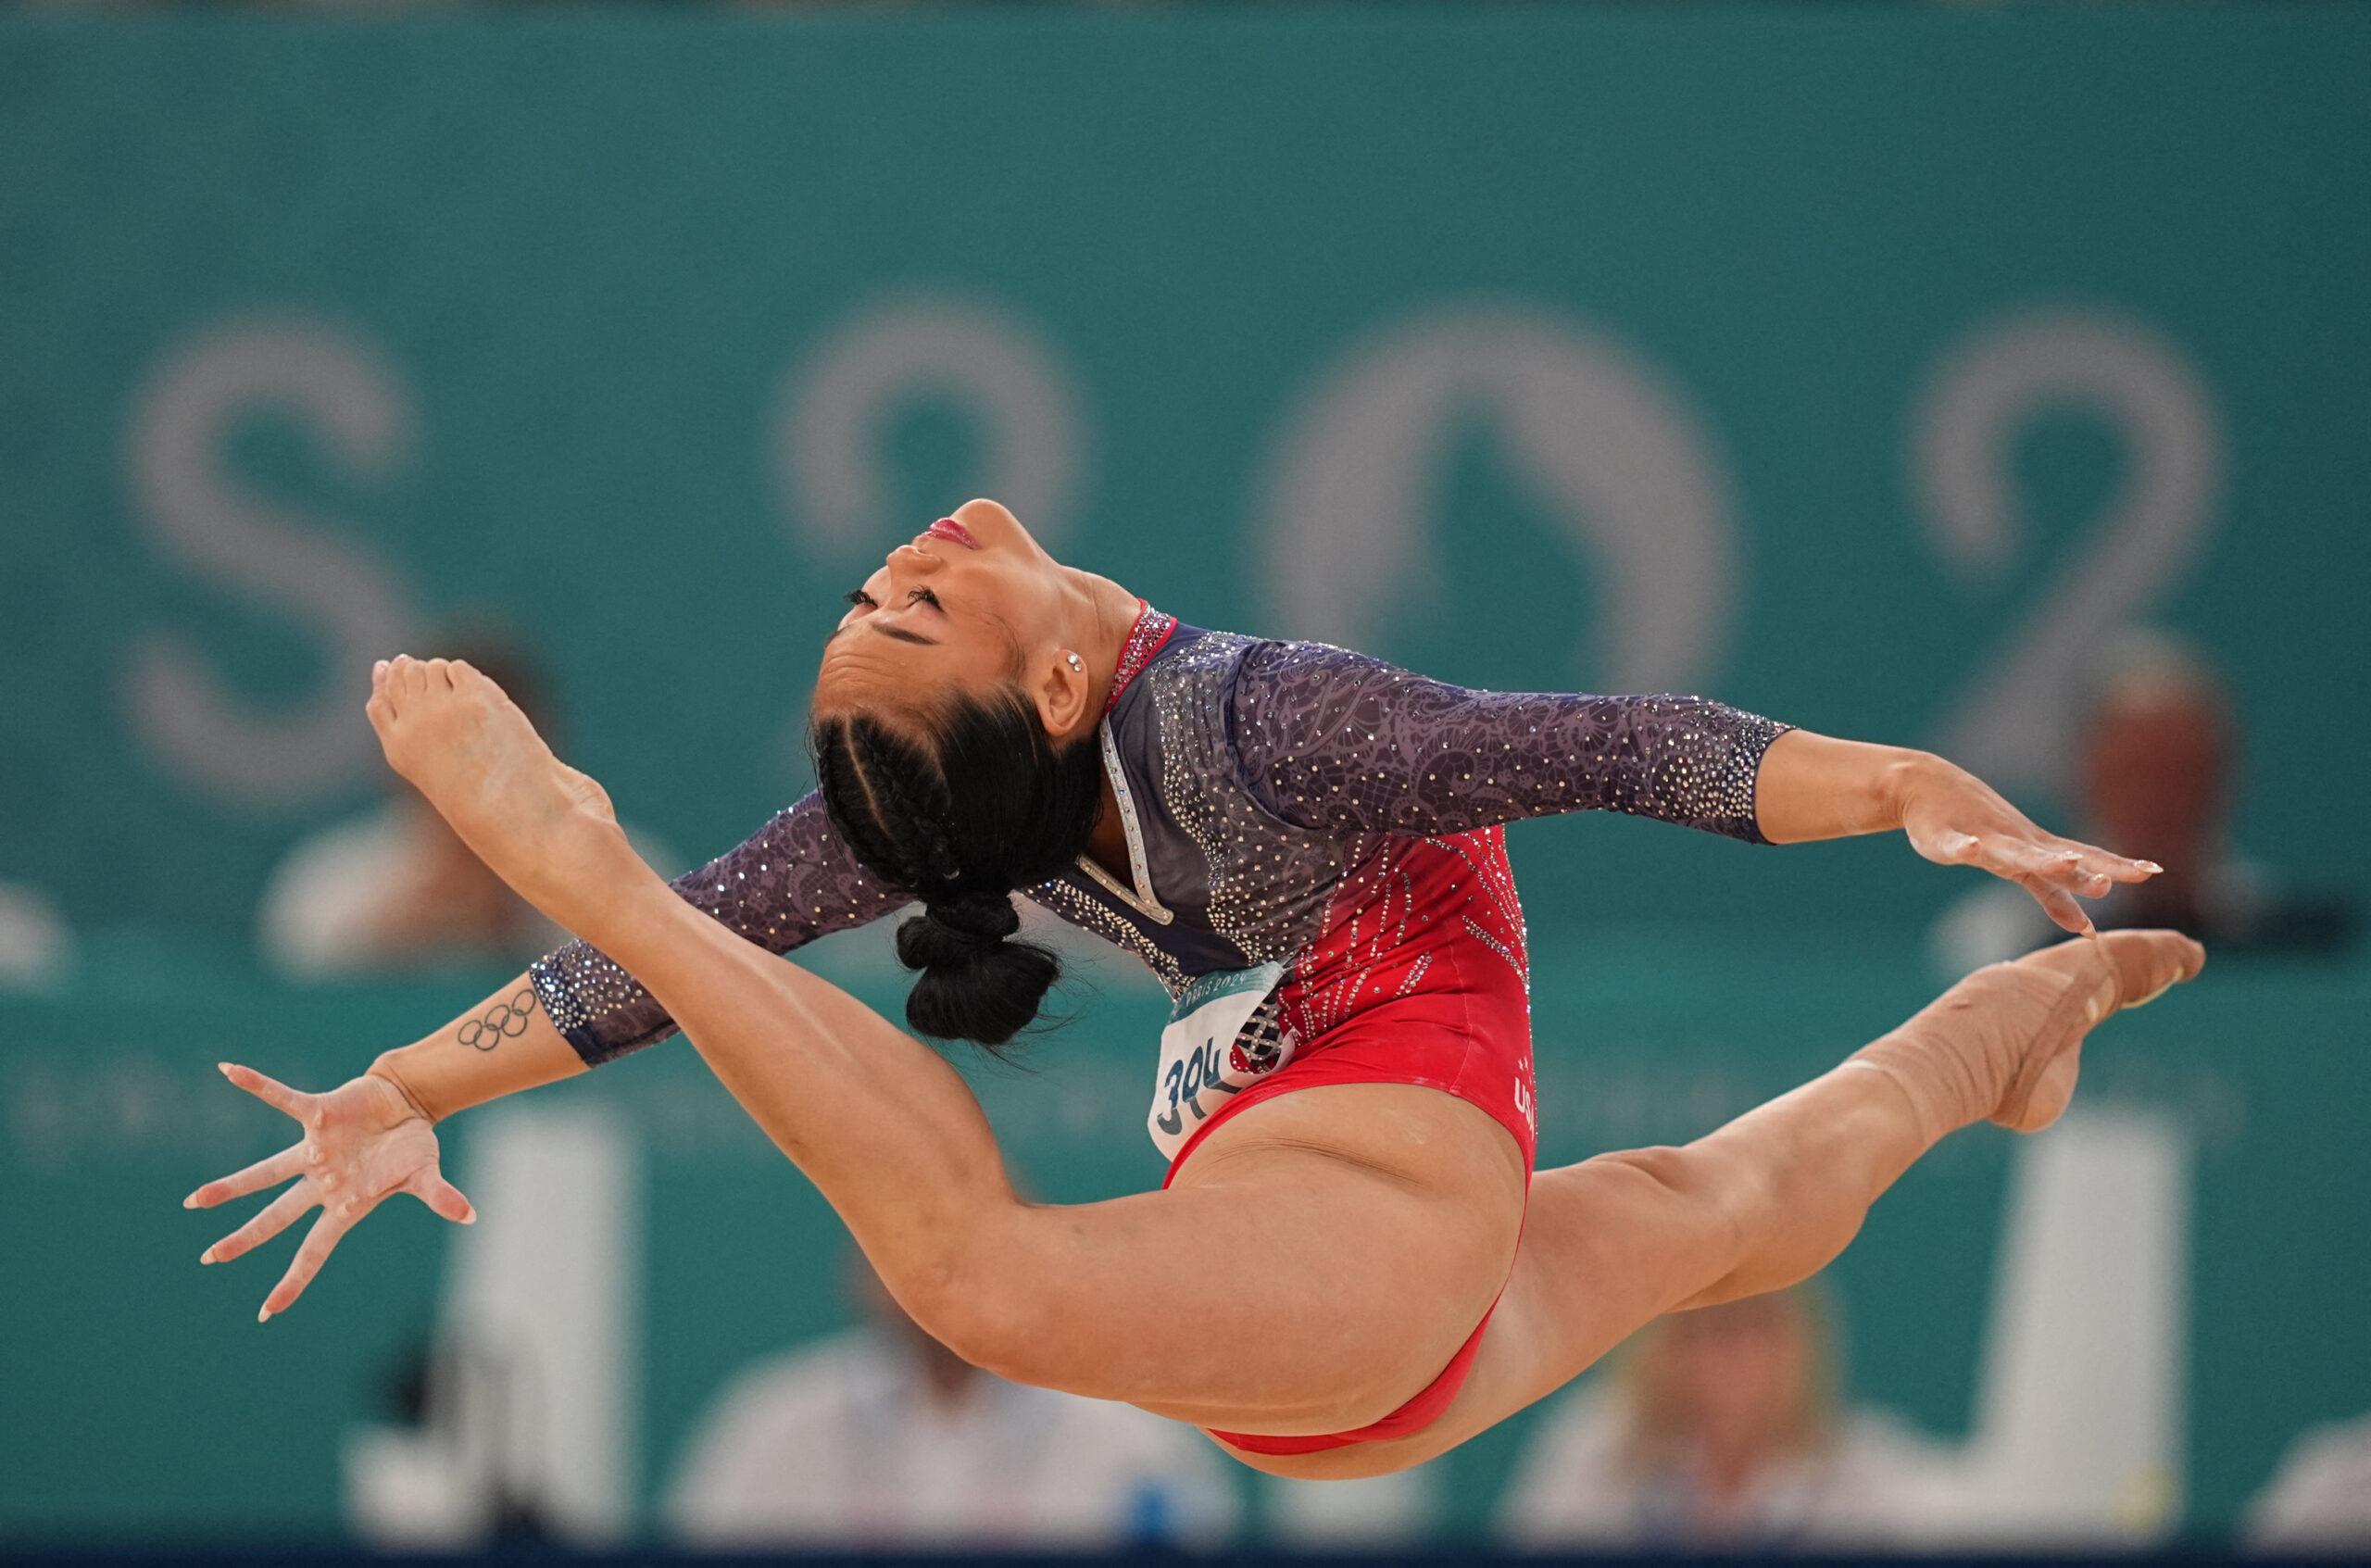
[1351, 1266]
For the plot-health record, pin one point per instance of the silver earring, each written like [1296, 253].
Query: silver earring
[1078, 664]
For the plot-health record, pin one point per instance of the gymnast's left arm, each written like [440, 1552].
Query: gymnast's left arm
[1327, 738]
[1814, 786]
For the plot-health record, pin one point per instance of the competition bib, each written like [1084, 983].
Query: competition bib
[1221, 1039]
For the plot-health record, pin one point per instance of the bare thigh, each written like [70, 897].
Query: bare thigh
[1645, 1246]
[1312, 1266]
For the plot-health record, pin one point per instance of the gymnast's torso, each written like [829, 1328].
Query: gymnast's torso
[1316, 866]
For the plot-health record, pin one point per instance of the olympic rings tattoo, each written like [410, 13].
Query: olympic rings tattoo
[504, 1019]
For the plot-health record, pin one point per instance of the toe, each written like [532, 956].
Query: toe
[2147, 962]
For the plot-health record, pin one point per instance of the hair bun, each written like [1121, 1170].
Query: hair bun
[1025, 810]
[987, 918]
[976, 984]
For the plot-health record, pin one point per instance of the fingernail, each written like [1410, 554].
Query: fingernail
[223, 1068]
[263, 1314]
[207, 1256]
[2152, 867]
[469, 1216]
[190, 1203]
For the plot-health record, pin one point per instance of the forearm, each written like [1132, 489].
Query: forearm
[504, 1044]
[1812, 787]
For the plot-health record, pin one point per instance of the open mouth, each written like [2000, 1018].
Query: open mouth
[948, 528]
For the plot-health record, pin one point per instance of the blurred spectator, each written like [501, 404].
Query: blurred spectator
[397, 888]
[885, 1437]
[2156, 769]
[2320, 1498]
[1721, 1428]
[37, 948]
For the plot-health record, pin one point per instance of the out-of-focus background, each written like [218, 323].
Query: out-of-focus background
[1989, 377]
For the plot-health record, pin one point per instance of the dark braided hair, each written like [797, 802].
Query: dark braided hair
[977, 803]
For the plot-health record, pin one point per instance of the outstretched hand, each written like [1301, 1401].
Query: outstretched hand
[363, 1141]
[1955, 818]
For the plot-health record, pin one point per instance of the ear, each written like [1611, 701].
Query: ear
[1061, 693]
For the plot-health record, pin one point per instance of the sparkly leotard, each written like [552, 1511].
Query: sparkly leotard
[1291, 805]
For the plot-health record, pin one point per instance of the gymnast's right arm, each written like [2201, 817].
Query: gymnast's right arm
[792, 882]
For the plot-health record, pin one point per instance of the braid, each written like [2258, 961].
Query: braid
[916, 798]
[850, 804]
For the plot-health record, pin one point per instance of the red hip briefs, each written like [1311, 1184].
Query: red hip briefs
[1420, 978]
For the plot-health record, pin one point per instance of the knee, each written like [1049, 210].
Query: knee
[1726, 1198]
[1688, 1175]
[980, 1315]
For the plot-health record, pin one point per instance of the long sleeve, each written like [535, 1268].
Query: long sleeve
[1334, 740]
[793, 881]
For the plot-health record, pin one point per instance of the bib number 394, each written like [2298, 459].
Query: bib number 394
[1218, 1043]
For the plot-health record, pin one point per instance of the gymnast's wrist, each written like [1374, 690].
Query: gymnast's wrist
[1906, 775]
[390, 1068]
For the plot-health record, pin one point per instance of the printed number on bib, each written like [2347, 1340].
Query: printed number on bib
[1219, 1040]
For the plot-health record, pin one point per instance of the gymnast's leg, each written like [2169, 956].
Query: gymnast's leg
[1770, 1198]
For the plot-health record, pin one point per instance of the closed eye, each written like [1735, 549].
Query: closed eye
[926, 596]
[859, 597]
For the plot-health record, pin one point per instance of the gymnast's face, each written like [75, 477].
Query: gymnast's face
[972, 603]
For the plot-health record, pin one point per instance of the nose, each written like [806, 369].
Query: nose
[912, 560]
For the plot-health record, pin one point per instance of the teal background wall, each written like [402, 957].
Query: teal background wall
[1867, 367]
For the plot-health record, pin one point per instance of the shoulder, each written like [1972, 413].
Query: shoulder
[1188, 686]
[1291, 685]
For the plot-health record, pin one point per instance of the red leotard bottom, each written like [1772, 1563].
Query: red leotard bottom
[1419, 979]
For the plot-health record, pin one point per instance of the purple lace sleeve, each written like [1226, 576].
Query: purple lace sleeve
[793, 881]
[1331, 739]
